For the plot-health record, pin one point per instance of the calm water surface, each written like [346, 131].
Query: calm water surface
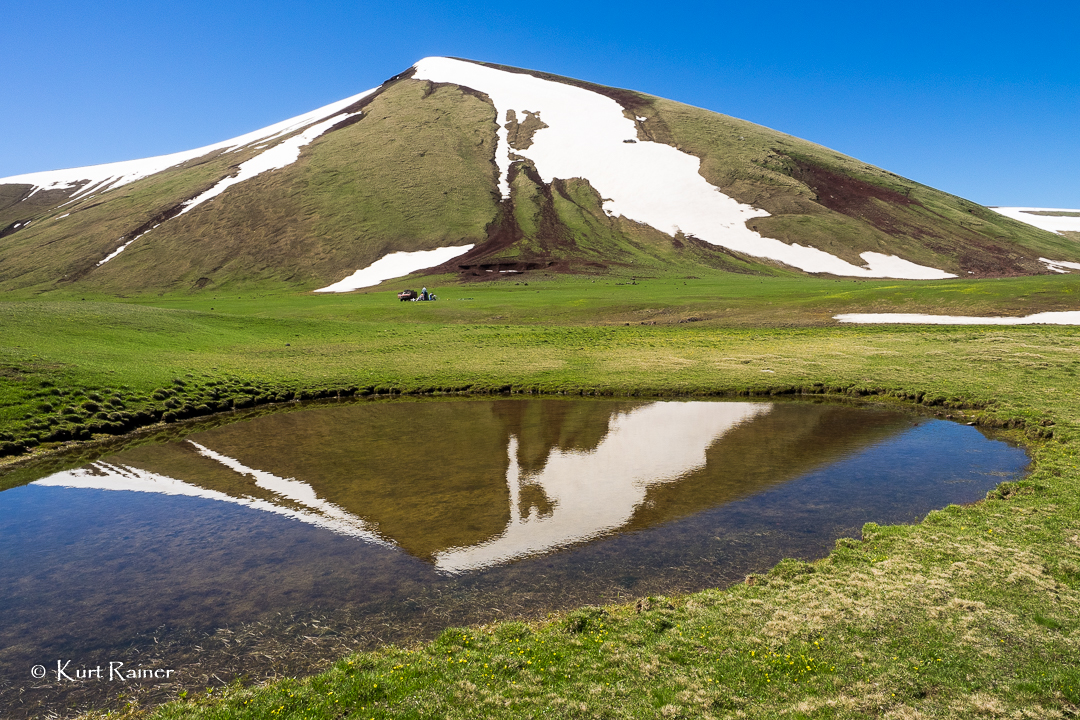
[268, 546]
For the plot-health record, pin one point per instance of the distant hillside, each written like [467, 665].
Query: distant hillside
[501, 170]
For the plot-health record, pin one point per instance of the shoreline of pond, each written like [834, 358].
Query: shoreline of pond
[179, 431]
[157, 427]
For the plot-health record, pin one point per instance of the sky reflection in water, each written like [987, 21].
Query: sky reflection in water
[419, 515]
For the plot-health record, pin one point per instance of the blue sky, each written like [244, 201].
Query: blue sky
[977, 99]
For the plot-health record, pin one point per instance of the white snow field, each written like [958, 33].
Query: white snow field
[281, 155]
[395, 265]
[114, 175]
[1071, 317]
[648, 182]
[599, 491]
[274, 157]
[1053, 223]
[1060, 266]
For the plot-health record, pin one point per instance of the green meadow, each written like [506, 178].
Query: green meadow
[973, 612]
[617, 334]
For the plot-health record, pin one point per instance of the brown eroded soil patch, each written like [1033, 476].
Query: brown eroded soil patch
[520, 134]
[13, 228]
[907, 219]
[851, 196]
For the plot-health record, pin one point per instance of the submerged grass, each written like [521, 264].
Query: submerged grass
[973, 612]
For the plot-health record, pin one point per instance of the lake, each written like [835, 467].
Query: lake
[273, 545]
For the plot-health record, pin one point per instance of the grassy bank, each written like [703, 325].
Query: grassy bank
[972, 612]
[78, 368]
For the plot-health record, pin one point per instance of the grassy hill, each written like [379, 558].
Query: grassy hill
[416, 171]
[971, 613]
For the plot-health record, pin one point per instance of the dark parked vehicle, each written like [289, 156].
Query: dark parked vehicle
[416, 296]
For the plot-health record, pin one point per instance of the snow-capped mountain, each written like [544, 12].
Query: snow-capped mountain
[479, 169]
[85, 182]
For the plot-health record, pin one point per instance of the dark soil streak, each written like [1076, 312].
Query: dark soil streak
[898, 215]
[344, 123]
[550, 245]
[551, 231]
[851, 196]
[161, 217]
[431, 87]
[654, 129]
[502, 232]
[14, 227]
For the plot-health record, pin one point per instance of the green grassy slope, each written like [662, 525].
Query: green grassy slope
[843, 206]
[973, 612]
[416, 172]
[57, 251]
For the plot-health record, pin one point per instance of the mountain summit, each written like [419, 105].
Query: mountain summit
[480, 170]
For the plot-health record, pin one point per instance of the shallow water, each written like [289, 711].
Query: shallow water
[260, 547]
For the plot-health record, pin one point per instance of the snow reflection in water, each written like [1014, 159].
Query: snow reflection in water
[591, 492]
[419, 515]
[598, 491]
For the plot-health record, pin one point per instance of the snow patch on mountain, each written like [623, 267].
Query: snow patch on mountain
[1069, 317]
[1059, 266]
[1053, 223]
[396, 265]
[122, 248]
[652, 183]
[277, 157]
[96, 178]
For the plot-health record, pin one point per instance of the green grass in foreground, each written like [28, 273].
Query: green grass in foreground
[973, 612]
[75, 368]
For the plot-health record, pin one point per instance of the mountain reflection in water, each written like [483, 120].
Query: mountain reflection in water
[476, 484]
[418, 515]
